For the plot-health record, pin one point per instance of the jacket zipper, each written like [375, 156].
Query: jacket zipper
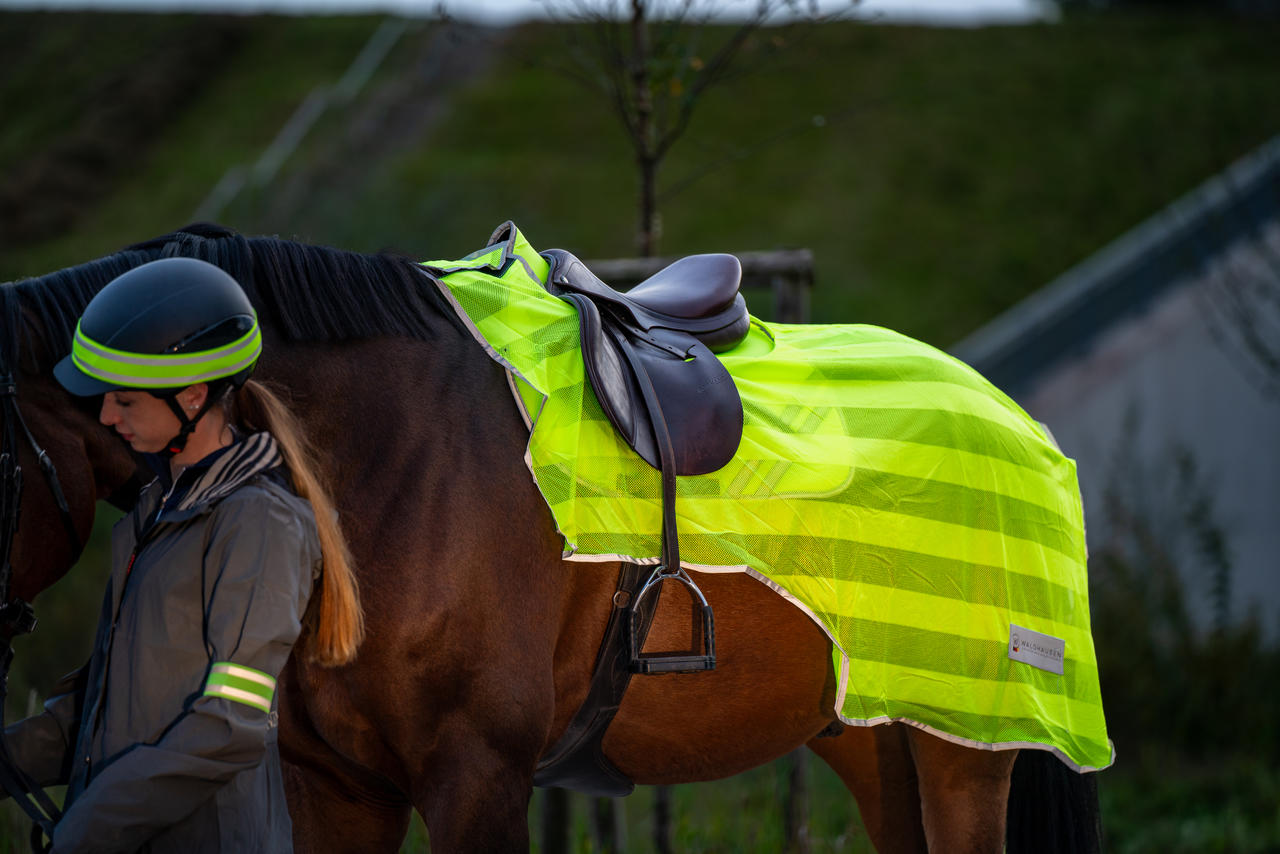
[141, 540]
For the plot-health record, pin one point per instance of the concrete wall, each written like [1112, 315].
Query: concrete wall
[1135, 359]
[1174, 381]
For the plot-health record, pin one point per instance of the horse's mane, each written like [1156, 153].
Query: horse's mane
[308, 293]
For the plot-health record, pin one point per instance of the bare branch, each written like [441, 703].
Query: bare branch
[650, 67]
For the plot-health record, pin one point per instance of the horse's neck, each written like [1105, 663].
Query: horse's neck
[89, 465]
[394, 405]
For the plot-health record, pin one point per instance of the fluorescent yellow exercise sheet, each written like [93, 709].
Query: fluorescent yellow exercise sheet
[926, 522]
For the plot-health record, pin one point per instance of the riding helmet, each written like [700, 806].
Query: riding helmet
[161, 327]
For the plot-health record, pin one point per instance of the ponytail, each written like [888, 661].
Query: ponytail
[335, 625]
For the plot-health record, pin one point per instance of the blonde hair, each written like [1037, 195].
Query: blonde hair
[334, 626]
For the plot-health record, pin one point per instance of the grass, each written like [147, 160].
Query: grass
[938, 175]
[1163, 804]
[741, 814]
[228, 120]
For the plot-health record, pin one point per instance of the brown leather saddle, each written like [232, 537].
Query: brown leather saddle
[649, 355]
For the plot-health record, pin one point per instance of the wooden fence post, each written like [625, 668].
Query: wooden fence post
[556, 816]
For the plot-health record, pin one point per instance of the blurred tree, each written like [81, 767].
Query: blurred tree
[654, 60]
[1170, 681]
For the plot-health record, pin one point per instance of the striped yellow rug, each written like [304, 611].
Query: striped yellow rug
[927, 523]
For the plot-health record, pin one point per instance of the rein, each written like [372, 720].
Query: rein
[17, 617]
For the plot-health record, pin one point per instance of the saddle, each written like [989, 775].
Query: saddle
[649, 356]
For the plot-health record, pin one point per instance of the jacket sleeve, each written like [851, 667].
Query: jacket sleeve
[259, 558]
[41, 745]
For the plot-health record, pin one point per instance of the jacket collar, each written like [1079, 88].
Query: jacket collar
[202, 485]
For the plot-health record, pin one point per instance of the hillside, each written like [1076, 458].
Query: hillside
[938, 175]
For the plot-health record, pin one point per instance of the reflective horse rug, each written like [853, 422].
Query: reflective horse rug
[917, 514]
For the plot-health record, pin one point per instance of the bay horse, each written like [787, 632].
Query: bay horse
[481, 637]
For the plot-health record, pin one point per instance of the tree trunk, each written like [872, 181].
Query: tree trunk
[646, 156]
[647, 231]
[662, 819]
[607, 825]
[555, 821]
[796, 819]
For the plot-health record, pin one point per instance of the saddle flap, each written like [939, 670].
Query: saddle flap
[611, 379]
[698, 400]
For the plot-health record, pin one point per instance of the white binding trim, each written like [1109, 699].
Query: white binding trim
[983, 745]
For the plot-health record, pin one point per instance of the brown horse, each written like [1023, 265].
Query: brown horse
[481, 639]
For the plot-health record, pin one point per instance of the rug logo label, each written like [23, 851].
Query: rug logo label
[1038, 650]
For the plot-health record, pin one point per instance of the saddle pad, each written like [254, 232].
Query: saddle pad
[916, 513]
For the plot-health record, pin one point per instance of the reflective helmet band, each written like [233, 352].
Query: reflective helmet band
[240, 684]
[172, 370]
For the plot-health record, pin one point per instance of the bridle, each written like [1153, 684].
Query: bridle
[17, 617]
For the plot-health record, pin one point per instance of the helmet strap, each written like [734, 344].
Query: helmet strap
[178, 443]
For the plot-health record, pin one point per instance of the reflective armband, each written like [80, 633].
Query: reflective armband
[241, 684]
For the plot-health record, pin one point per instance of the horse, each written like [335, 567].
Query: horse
[481, 636]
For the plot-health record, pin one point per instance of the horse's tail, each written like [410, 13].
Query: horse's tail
[1052, 809]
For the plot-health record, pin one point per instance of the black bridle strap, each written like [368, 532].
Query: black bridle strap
[17, 616]
[30, 797]
[13, 783]
[55, 487]
[9, 396]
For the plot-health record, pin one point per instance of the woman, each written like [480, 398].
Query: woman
[168, 743]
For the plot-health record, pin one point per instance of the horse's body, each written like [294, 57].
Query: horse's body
[481, 638]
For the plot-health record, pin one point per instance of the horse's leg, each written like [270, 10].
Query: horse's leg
[964, 794]
[334, 815]
[876, 764]
[452, 696]
[475, 797]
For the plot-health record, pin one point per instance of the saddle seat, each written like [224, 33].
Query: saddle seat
[664, 333]
[693, 288]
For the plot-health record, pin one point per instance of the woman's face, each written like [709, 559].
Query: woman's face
[144, 421]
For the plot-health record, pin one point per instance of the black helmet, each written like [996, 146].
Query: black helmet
[161, 327]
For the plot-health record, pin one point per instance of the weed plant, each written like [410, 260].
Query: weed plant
[1192, 708]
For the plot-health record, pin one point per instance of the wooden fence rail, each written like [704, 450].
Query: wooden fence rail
[786, 273]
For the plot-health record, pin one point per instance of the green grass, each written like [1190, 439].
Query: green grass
[227, 121]
[741, 814]
[1159, 803]
[951, 172]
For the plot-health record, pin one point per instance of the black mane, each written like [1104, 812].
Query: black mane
[308, 293]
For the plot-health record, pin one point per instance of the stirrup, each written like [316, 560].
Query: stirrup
[680, 661]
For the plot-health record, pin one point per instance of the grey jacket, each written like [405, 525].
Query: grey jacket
[169, 742]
